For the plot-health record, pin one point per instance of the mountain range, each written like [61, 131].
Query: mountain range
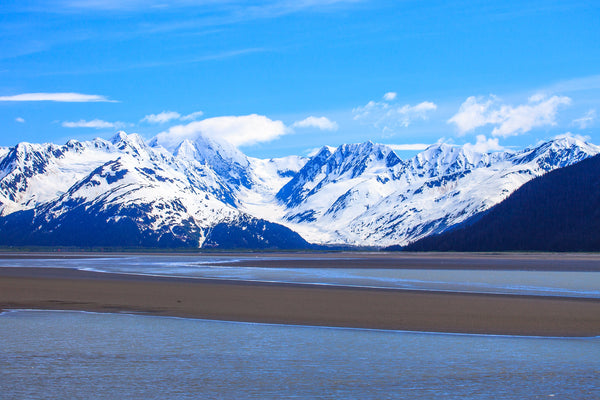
[206, 193]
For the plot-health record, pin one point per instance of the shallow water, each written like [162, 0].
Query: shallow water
[548, 283]
[58, 355]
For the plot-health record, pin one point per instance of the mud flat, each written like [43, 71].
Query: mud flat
[68, 289]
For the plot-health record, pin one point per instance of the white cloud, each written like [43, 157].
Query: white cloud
[162, 117]
[322, 123]
[192, 117]
[523, 118]
[166, 116]
[408, 147]
[419, 108]
[389, 96]
[484, 145]
[95, 123]
[388, 116]
[473, 113]
[60, 97]
[476, 112]
[586, 120]
[536, 98]
[20, 120]
[237, 130]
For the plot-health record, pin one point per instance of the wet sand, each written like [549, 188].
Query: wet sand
[581, 262]
[65, 289]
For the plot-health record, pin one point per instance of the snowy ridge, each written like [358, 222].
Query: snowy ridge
[31, 174]
[357, 194]
[365, 195]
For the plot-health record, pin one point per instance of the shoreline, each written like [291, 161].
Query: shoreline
[292, 304]
[24, 310]
[501, 261]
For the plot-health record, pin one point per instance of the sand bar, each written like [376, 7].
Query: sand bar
[581, 262]
[65, 289]
[505, 261]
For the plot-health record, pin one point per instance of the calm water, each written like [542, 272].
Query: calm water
[69, 355]
[578, 284]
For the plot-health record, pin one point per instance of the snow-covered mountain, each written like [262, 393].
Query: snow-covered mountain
[204, 193]
[364, 194]
[125, 192]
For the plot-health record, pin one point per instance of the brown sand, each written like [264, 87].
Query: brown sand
[40, 288]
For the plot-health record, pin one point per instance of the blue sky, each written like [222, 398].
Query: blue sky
[283, 77]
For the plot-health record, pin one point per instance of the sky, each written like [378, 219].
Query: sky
[282, 77]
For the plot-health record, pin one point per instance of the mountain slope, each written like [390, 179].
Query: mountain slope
[142, 196]
[559, 211]
[34, 173]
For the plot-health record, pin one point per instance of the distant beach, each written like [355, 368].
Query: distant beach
[430, 311]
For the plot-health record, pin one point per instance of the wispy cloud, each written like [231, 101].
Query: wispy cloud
[389, 115]
[591, 82]
[389, 96]
[586, 120]
[111, 5]
[95, 123]
[158, 64]
[159, 17]
[20, 120]
[162, 117]
[192, 116]
[58, 97]
[228, 54]
[166, 116]
[252, 9]
[322, 123]
[509, 120]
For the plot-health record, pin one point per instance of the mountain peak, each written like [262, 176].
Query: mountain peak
[186, 150]
[571, 142]
[325, 151]
[120, 136]
[216, 152]
[132, 143]
[568, 139]
[439, 159]
[356, 147]
[563, 142]
[556, 153]
[225, 159]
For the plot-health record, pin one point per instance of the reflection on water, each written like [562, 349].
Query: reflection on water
[60, 355]
[551, 283]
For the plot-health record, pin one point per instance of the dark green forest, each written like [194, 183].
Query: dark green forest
[559, 211]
